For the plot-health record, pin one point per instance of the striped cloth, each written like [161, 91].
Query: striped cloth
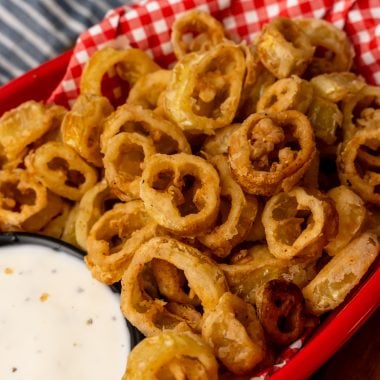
[33, 31]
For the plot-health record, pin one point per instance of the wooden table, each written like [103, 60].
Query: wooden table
[359, 358]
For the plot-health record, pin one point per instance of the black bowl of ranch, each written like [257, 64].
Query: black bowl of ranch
[56, 321]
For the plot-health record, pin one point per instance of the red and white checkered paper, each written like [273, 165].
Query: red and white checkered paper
[147, 25]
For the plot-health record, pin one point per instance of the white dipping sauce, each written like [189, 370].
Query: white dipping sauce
[56, 321]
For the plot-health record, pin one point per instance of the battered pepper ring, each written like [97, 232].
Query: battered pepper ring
[205, 88]
[130, 63]
[91, 207]
[124, 162]
[284, 48]
[180, 192]
[21, 197]
[358, 164]
[167, 137]
[291, 93]
[150, 315]
[115, 237]
[280, 308]
[147, 90]
[284, 216]
[82, 126]
[270, 152]
[62, 170]
[182, 355]
[206, 30]
[234, 332]
[337, 50]
[237, 212]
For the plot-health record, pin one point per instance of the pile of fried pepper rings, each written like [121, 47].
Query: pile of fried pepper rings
[234, 196]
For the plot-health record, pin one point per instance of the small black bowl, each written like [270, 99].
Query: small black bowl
[11, 238]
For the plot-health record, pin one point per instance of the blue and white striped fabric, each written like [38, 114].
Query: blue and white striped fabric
[33, 31]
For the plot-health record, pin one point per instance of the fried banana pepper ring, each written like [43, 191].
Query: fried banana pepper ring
[341, 274]
[124, 162]
[62, 170]
[237, 213]
[205, 88]
[337, 86]
[291, 93]
[130, 64]
[233, 330]
[25, 124]
[284, 219]
[21, 197]
[333, 50]
[115, 237]
[358, 164]
[270, 152]
[352, 214]
[147, 90]
[280, 308]
[284, 48]
[218, 143]
[360, 110]
[150, 315]
[195, 31]
[167, 137]
[170, 282]
[326, 118]
[181, 192]
[91, 207]
[82, 126]
[178, 355]
[250, 269]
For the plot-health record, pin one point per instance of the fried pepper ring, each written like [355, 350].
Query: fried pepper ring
[171, 282]
[325, 117]
[150, 315]
[337, 86]
[291, 93]
[21, 197]
[270, 152]
[359, 109]
[180, 192]
[333, 51]
[115, 237]
[352, 214]
[234, 332]
[25, 124]
[237, 213]
[62, 170]
[284, 48]
[341, 274]
[358, 164]
[250, 269]
[218, 143]
[130, 63]
[181, 355]
[167, 137]
[91, 207]
[82, 126]
[148, 89]
[280, 308]
[203, 31]
[298, 223]
[205, 88]
[124, 162]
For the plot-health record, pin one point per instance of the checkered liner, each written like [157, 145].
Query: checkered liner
[146, 25]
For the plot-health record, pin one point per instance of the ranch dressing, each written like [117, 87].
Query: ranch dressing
[56, 321]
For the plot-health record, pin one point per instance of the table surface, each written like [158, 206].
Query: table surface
[359, 358]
